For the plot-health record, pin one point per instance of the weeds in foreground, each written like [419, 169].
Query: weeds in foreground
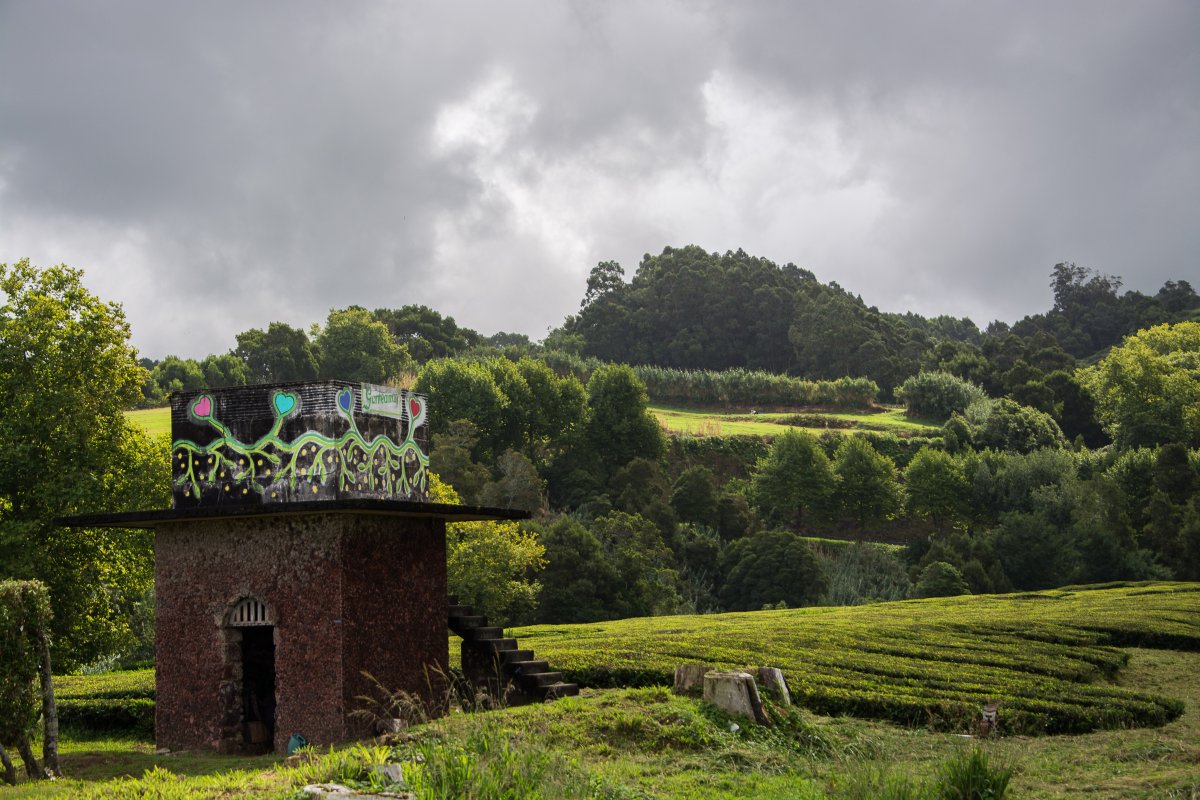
[972, 775]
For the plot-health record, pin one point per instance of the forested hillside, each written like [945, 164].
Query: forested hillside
[1024, 466]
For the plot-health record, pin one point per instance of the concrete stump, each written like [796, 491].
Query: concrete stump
[689, 678]
[775, 684]
[735, 693]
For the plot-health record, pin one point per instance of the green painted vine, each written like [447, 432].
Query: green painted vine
[309, 460]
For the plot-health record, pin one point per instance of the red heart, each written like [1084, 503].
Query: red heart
[414, 408]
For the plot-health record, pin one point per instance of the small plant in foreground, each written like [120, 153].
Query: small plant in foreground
[971, 775]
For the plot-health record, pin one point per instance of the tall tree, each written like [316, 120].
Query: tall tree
[66, 373]
[354, 346]
[1148, 390]
[795, 483]
[867, 491]
[278, 354]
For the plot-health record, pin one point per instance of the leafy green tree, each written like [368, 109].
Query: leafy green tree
[490, 565]
[698, 552]
[694, 496]
[620, 426]
[1148, 390]
[175, 374]
[517, 487]
[867, 491]
[462, 390]
[557, 409]
[66, 373]
[450, 457]
[735, 518]
[606, 278]
[354, 346]
[280, 353]
[224, 370]
[1005, 425]
[25, 658]
[426, 333]
[635, 548]
[940, 579]
[937, 487]
[768, 568]
[938, 394]
[794, 482]
[580, 583]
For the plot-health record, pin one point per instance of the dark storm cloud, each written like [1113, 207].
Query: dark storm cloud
[218, 166]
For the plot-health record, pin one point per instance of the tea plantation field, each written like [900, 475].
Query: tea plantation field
[1044, 656]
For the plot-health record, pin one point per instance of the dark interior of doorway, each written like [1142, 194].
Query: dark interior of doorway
[258, 687]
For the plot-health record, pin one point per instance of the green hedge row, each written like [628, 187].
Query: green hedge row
[130, 715]
[927, 662]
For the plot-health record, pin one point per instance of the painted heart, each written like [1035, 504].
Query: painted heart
[202, 407]
[414, 407]
[284, 402]
[345, 400]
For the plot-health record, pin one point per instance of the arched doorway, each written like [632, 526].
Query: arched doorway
[249, 696]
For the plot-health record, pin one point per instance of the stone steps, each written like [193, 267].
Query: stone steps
[492, 660]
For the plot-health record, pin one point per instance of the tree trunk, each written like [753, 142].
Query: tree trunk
[10, 772]
[49, 710]
[31, 765]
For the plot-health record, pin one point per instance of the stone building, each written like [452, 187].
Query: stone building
[301, 556]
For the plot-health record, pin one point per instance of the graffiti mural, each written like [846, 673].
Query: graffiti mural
[312, 441]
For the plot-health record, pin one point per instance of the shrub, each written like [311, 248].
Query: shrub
[938, 394]
[941, 579]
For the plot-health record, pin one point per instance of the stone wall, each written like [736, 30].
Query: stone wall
[347, 592]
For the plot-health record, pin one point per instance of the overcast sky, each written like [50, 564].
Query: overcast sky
[216, 166]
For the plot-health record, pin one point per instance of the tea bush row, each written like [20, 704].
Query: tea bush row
[929, 662]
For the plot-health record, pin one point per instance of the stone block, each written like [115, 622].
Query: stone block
[689, 678]
[735, 693]
[776, 685]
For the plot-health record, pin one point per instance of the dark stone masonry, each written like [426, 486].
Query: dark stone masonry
[300, 557]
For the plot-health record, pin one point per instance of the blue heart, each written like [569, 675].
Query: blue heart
[284, 403]
[346, 399]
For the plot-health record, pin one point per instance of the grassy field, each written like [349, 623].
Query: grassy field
[154, 420]
[1099, 656]
[736, 423]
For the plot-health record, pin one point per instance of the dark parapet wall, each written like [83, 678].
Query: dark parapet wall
[312, 441]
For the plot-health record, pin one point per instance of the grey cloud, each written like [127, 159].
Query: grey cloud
[218, 166]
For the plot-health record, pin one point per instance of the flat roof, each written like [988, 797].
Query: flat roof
[388, 508]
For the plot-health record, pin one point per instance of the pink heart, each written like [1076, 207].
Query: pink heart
[202, 407]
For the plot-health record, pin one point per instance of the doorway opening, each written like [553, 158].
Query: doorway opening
[249, 695]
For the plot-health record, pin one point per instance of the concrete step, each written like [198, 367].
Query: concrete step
[557, 690]
[495, 645]
[527, 667]
[483, 634]
[468, 622]
[538, 679]
[516, 655]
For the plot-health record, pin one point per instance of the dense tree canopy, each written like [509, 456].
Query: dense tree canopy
[280, 353]
[1148, 389]
[66, 373]
[354, 346]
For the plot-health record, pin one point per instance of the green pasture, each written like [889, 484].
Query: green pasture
[155, 421]
[698, 422]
